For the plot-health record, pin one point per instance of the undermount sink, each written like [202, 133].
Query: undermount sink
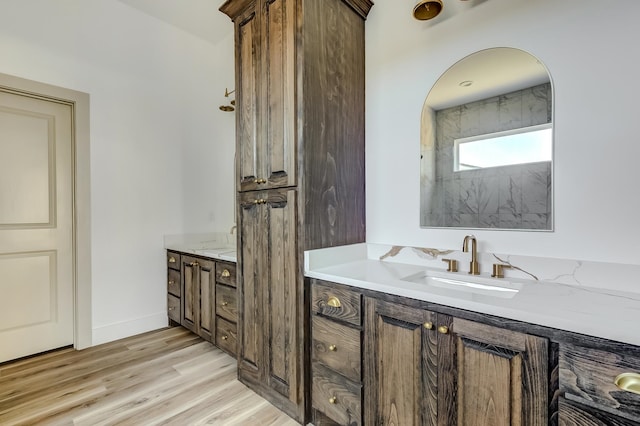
[471, 284]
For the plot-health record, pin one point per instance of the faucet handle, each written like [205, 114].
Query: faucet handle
[498, 270]
[452, 265]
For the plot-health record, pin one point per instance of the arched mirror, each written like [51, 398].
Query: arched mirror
[487, 144]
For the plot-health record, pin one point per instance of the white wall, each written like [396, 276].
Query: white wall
[154, 120]
[592, 56]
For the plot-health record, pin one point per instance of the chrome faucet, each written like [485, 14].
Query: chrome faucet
[474, 268]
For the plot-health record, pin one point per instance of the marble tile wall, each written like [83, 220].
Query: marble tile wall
[500, 197]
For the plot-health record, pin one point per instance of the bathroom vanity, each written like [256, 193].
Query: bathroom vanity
[201, 292]
[407, 343]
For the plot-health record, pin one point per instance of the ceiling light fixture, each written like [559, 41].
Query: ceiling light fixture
[427, 9]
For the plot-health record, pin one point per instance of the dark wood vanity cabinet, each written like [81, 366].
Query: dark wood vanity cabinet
[201, 296]
[420, 366]
[300, 171]
[423, 367]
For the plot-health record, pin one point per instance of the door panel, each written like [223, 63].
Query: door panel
[501, 376]
[283, 294]
[400, 366]
[280, 125]
[191, 294]
[247, 103]
[250, 311]
[207, 284]
[36, 225]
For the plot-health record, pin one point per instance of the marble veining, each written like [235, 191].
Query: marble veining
[568, 294]
[573, 272]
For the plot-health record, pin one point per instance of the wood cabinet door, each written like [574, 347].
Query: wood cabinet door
[278, 88]
[247, 94]
[500, 376]
[266, 103]
[250, 263]
[207, 294]
[270, 305]
[190, 294]
[400, 369]
[283, 303]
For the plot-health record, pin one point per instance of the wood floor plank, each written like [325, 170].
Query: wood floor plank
[168, 376]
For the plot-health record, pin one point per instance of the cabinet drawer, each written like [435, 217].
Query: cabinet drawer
[335, 396]
[173, 308]
[173, 282]
[173, 260]
[226, 273]
[343, 304]
[226, 305]
[574, 414]
[226, 335]
[337, 346]
[589, 375]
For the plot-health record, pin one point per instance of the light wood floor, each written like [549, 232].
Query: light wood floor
[168, 377]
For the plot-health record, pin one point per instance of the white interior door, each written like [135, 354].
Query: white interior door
[36, 225]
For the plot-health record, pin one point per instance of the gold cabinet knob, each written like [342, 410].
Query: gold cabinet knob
[334, 302]
[629, 382]
[333, 348]
[193, 264]
[171, 282]
[333, 400]
[428, 325]
[172, 309]
[225, 273]
[443, 329]
[172, 259]
[225, 337]
[224, 303]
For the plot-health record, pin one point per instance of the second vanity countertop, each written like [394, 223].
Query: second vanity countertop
[218, 246]
[600, 312]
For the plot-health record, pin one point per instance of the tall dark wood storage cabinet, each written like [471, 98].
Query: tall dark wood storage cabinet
[300, 171]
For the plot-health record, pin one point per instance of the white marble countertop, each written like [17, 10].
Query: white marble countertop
[220, 246]
[601, 312]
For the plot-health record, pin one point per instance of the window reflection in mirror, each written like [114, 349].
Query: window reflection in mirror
[519, 146]
[486, 97]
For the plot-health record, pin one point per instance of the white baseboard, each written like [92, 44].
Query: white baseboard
[120, 330]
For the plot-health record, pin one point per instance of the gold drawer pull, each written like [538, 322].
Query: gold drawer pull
[224, 303]
[629, 382]
[260, 180]
[334, 302]
[171, 282]
[443, 329]
[333, 400]
[193, 264]
[260, 201]
[428, 325]
[225, 337]
[172, 309]
[225, 273]
[333, 348]
[172, 259]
